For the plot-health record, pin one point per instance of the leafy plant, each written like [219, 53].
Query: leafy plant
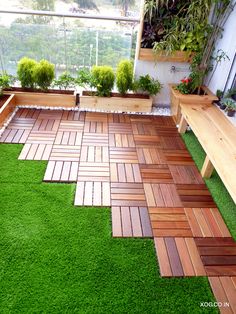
[103, 78]
[6, 81]
[148, 84]
[124, 76]
[219, 93]
[230, 92]
[25, 72]
[185, 87]
[65, 81]
[85, 79]
[43, 74]
[230, 104]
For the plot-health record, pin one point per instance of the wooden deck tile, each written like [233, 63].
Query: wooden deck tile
[169, 222]
[27, 113]
[173, 142]
[91, 193]
[94, 154]
[89, 171]
[96, 116]
[120, 128]
[195, 196]
[163, 121]
[162, 195]
[183, 174]
[35, 152]
[50, 114]
[125, 173]
[59, 171]
[177, 157]
[65, 153]
[127, 194]
[14, 135]
[123, 155]
[118, 118]
[151, 156]
[95, 127]
[38, 137]
[147, 141]
[71, 126]
[121, 140]
[169, 131]
[73, 115]
[68, 138]
[218, 259]
[143, 129]
[90, 139]
[46, 125]
[130, 222]
[155, 174]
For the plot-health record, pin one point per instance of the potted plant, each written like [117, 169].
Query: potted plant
[231, 93]
[7, 102]
[219, 95]
[230, 106]
[148, 85]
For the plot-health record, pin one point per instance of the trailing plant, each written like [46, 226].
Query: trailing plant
[25, 72]
[43, 74]
[147, 84]
[65, 81]
[124, 76]
[6, 81]
[103, 78]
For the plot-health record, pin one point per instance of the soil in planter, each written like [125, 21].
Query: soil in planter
[3, 99]
[35, 90]
[138, 95]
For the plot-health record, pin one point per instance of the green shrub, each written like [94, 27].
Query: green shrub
[124, 76]
[44, 73]
[148, 85]
[25, 72]
[85, 79]
[65, 81]
[103, 78]
[6, 81]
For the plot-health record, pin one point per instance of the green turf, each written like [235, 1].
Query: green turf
[220, 194]
[57, 258]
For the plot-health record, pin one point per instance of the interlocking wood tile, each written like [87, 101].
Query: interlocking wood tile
[169, 222]
[68, 138]
[120, 128]
[147, 141]
[178, 257]
[169, 131]
[21, 123]
[65, 153]
[95, 127]
[118, 118]
[137, 118]
[218, 255]
[177, 157]
[171, 142]
[185, 174]
[92, 194]
[96, 117]
[143, 129]
[123, 155]
[94, 154]
[130, 222]
[206, 222]
[121, 140]
[46, 125]
[73, 115]
[90, 139]
[27, 113]
[125, 173]
[59, 171]
[71, 126]
[163, 121]
[89, 171]
[162, 195]
[35, 152]
[150, 156]
[195, 195]
[127, 194]
[50, 114]
[155, 174]
[14, 136]
[224, 289]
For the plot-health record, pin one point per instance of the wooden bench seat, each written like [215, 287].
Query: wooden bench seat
[217, 136]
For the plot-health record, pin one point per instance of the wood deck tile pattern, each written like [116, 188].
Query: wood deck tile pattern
[183, 174]
[73, 115]
[123, 155]
[90, 139]
[96, 117]
[50, 114]
[178, 257]
[46, 125]
[218, 255]
[224, 289]
[169, 222]
[143, 129]
[172, 142]
[118, 118]
[71, 126]
[91, 193]
[177, 157]
[125, 173]
[156, 174]
[95, 154]
[128, 194]
[68, 138]
[120, 128]
[35, 152]
[59, 171]
[97, 172]
[147, 141]
[121, 140]
[65, 153]
[95, 127]
[27, 113]
[41, 137]
[130, 222]
[151, 156]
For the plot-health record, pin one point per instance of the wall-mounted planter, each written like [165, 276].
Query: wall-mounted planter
[147, 54]
[7, 108]
[114, 103]
[176, 98]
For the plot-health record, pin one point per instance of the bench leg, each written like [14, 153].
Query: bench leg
[182, 125]
[207, 168]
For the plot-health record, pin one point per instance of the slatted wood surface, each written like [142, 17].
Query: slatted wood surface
[140, 167]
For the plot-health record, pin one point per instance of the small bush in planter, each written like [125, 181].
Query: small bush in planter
[44, 73]
[230, 106]
[124, 76]
[85, 79]
[6, 81]
[148, 85]
[231, 93]
[65, 81]
[25, 72]
[219, 94]
[103, 79]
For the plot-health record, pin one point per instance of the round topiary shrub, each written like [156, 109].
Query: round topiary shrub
[124, 76]
[103, 78]
[25, 72]
[44, 73]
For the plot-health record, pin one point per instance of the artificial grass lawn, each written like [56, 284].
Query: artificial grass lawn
[57, 258]
[221, 196]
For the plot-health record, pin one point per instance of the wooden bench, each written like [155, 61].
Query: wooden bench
[217, 136]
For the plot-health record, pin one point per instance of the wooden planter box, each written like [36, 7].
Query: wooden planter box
[124, 104]
[7, 109]
[43, 99]
[177, 98]
[147, 54]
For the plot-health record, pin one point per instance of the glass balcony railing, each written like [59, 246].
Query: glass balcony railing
[69, 43]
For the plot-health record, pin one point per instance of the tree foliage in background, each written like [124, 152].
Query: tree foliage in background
[124, 5]
[87, 4]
